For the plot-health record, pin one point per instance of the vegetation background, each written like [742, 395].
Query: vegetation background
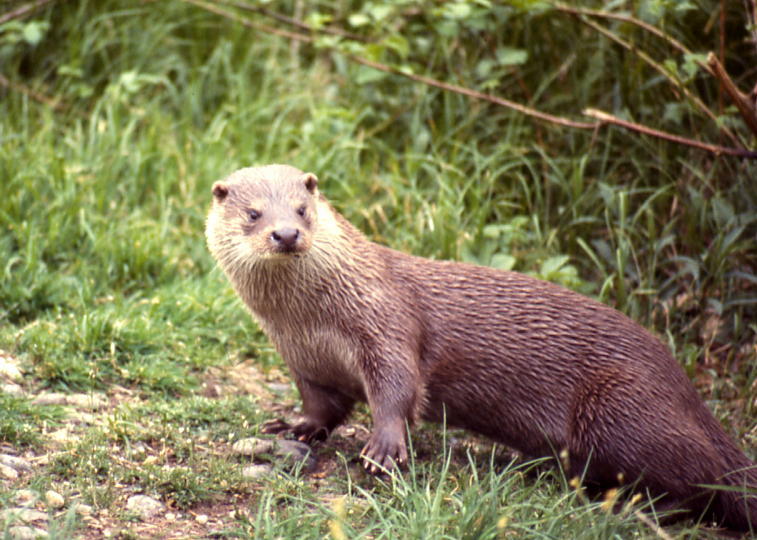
[115, 118]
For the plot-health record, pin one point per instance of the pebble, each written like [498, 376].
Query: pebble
[290, 452]
[91, 401]
[280, 388]
[252, 446]
[9, 369]
[54, 499]
[49, 398]
[79, 417]
[21, 532]
[256, 471]
[83, 509]
[8, 472]
[27, 515]
[12, 389]
[145, 507]
[26, 497]
[202, 519]
[20, 464]
[63, 435]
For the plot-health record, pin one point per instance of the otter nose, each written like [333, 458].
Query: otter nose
[286, 237]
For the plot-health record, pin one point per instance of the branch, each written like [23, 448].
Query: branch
[523, 109]
[601, 116]
[23, 10]
[664, 72]
[712, 148]
[42, 98]
[745, 106]
[294, 22]
[627, 19]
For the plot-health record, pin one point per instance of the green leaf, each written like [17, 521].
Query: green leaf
[34, 31]
[503, 261]
[357, 20]
[692, 63]
[398, 44]
[318, 20]
[366, 75]
[553, 265]
[509, 56]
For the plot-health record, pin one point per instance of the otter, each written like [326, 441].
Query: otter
[525, 362]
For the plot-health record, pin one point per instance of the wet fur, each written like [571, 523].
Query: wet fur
[525, 362]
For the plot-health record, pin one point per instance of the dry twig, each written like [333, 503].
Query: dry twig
[664, 72]
[601, 116]
[23, 10]
[745, 106]
[36, 96]
[646, 130]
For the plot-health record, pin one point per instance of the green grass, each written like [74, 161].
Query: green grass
[106, 283]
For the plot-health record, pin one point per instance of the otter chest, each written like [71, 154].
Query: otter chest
[321, 354]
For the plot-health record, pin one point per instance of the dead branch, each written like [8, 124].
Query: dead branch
[712, 148]
[294, 22]
[623, 18]
[745, 106]
[23, 10]
[528, 111]
[36, 96]
[664, 72]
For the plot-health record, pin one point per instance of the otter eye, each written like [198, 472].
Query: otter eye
[254, 215]
[301, 210]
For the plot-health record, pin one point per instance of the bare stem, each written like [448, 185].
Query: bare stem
[646, 130]
[24, 10]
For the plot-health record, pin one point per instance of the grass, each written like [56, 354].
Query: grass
[106, 284]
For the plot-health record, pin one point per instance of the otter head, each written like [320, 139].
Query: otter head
[262, 213]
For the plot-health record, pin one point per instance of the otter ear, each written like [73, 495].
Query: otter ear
[311, 181]
[220, 191]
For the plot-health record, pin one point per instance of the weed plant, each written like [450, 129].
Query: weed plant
[106, 283]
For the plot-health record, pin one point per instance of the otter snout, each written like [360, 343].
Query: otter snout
[285, 239]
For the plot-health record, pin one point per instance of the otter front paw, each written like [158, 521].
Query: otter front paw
[305, 430]
[385, 450]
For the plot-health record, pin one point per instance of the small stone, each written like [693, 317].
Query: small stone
[290, 451]
[8, 472]
[12, 389]
[145, 507]
[27, 515]
[79, 417]
[170, 516]
[49, 398]
[83, 509]
[21, 532]
[91, 401]
[254, 472]
[293, 452]
[202, 519]
[54, 499]
[63, 435]
[20, 464]
[252, 446]
[9, 369]
[279, 388]
[26, 497]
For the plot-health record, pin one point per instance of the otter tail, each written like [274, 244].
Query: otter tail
[736, 501]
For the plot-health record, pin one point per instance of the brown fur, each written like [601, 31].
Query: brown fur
[525, 362]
